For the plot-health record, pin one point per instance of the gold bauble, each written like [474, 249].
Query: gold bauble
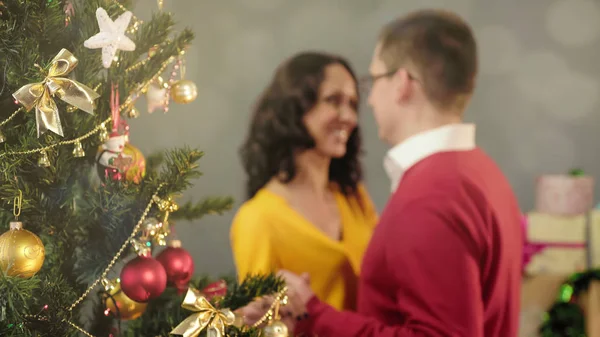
[275, 329]
[22, 253]
[184, 91]
[129, 165]
[137, 170]
[125, 307]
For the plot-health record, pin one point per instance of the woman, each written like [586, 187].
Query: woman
[307, 210]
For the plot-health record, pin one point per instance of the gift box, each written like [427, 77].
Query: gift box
[537, 295]
[594, 238]
[590, 303]
[564, 194]
[555, 244]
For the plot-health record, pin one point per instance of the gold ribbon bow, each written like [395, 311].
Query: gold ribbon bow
[166, 205]
[205, 317]
[39, 95]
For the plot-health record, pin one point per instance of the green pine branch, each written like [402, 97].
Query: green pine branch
[165, 313]
[179, 169]
[115, 208]
[81, 223]
[101, 324]
[193, 211]
[154, 162]
[14, 294]
[240, 295]
[44, 301]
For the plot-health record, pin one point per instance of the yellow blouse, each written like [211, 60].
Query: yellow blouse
[267, 235]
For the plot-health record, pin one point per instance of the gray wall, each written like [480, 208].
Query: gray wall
[536, 106]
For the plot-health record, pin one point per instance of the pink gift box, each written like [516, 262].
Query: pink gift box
[564, 194]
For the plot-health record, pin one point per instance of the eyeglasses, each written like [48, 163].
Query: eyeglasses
[366, 83]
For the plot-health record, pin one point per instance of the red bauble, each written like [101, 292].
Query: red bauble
[178, 264]
[143, 279]
[215, 289]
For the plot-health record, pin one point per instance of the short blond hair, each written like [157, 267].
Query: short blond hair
[442, 49]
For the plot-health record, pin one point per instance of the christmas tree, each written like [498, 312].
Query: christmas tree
[82, 209]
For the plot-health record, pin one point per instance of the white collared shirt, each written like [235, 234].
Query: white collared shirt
[451, 137]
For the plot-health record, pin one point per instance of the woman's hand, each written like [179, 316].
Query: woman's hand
[299, 293]
[256, 310]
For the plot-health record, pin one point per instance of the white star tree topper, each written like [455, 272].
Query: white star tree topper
[111, 37]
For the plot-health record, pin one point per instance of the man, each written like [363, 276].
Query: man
[445, 259]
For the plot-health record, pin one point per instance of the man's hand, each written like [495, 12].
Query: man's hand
[299, 293]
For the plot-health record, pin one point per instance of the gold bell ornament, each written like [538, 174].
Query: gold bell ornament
[43, 160]
[22, 253]
[78, 151]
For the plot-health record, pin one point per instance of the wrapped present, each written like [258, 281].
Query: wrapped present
[554, 244]
[590, 302]
[594, 238]
[563, 194]
[537, 295]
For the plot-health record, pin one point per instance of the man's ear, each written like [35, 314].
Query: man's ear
[403, 86]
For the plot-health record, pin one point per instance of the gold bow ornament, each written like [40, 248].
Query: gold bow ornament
[166, 205]
[39, 95]
[205, 317]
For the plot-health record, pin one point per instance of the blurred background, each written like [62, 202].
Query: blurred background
[537, 105]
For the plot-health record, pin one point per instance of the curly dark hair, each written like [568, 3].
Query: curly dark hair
[277, 130]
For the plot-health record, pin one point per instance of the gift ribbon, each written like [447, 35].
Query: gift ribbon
[531, 248]
[39, 95]
[205, 317]
[120, 126]
[115, 107]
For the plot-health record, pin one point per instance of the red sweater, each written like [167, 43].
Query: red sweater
[445, 259]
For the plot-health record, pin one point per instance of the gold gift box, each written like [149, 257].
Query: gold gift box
[594, 238]
[566, 237]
